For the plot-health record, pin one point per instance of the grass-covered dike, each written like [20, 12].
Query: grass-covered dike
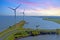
[18, 31]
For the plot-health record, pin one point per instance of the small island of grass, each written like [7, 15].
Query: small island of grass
[53, 19]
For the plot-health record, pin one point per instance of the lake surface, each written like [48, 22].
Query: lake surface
[43, 37]
[6, 21]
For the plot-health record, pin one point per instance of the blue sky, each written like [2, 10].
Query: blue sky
[32, 7]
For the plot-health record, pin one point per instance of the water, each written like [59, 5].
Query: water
[44, 24]
[6, 21]
[42, 37]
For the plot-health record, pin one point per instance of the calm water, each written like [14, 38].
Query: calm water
[6, 21]
[43, 37]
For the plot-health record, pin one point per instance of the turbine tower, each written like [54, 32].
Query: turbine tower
[14, 9]
[23, 14]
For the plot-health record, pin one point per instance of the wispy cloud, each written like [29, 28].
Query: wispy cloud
[41, 7]
[41, 12]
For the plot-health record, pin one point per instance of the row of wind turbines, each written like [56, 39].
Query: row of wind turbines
[15, 9]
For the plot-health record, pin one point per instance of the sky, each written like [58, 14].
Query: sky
[31, 7]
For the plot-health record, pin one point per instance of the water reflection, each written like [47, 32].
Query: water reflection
[43, 37]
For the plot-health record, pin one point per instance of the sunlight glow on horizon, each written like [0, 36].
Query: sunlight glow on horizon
[41, 12]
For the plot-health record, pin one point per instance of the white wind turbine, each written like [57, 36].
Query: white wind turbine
[14, 9]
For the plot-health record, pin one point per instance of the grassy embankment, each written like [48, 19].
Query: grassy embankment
[54, 20]
[11, 31]
[17, 31]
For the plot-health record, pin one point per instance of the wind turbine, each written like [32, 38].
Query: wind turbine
[23, 14]
[14, 9]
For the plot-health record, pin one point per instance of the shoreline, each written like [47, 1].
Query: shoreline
[33, 36]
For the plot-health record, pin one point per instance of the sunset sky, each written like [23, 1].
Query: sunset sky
[32, 7]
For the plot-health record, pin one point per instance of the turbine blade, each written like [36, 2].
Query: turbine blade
[17, 6]
[10, 8]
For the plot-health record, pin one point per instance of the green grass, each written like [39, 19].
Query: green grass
[53, 19]
[16, 27]
[35, 32]
[58, 31]
[21, 34]
[10, 37]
